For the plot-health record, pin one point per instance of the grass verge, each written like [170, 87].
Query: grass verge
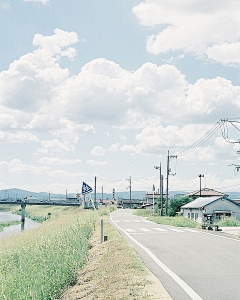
[178, 221]
[114, 271]
[8, 223]
[228, 222]
[40, 263]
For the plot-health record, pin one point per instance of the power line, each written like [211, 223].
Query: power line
[206, 137]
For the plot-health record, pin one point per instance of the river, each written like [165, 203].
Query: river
[15, 229]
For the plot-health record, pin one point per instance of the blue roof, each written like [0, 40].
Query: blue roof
[201, 201]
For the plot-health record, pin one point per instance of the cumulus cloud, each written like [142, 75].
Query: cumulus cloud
[17, 166]
[29, 83]
[41, 1]
[57, 146]
[57, 160]
[213, 24]
[98, 151]
[96, 162]
[40, 101]
[17, 136]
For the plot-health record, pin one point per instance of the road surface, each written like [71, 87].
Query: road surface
[190, 263]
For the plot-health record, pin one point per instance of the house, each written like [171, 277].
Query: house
[206, 193]
[148, 206]
[150, 195]
[127, 203]
[209, 209]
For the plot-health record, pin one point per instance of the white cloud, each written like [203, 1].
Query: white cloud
[56, 160]
[35, 76]
[226, 53]
[5, 5]
[17, 166]
[18, 136]
[96, 163]
[41, 1]
[212, 23]
[57, 146]
[98, 151]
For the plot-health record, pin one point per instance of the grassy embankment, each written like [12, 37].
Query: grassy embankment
[39, 264]
[178, 221]
[114, 271]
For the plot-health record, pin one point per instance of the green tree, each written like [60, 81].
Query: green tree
[176, 203]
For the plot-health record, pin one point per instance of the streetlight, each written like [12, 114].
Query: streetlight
[160, 187]
[200, 177]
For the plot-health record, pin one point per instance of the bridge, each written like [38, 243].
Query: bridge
[66, 202]
[23, 202]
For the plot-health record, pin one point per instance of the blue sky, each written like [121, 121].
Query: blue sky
[106, 88]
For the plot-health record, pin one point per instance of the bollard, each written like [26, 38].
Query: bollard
[23, 216]
[101, 230]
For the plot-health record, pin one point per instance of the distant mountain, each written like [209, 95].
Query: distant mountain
[18, 193]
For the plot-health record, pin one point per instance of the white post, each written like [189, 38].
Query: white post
[153, 203]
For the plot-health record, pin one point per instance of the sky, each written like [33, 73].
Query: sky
[106, 88]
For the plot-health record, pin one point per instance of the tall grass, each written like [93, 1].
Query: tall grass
[40, 263]
[178, 221]
[8, 223]
[228, 222]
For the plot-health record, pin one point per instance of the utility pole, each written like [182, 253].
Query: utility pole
[161, 195]
[200, 177]
[95, 192]
[168, 173]
[130, 191]
[160, 187]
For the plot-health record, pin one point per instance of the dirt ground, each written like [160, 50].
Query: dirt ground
[114, 271]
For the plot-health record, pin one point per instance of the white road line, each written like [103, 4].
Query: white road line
[127, 221]
[176, 230]
[220, 236]
[137, 221]
[191, 293]
[160, 229]
[130, 230]
[191, 230]
[117, 221]
[145, 229]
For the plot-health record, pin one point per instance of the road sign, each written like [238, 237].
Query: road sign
[86, 189]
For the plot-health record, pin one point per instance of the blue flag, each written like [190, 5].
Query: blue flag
[86, 189]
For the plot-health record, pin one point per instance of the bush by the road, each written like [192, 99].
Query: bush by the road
[176, 203]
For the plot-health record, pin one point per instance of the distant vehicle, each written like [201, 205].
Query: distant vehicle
[29, 198]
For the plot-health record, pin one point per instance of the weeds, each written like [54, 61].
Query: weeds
[8, 223]
[40, 263]
[178, 221]
[228, 222]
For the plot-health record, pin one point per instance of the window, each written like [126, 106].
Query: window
[192, 215]
[196, 216]
[188, 215]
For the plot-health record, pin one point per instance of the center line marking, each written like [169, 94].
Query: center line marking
[191, 293]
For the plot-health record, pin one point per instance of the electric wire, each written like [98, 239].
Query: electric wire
[206, 137]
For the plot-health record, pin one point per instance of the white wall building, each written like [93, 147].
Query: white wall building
[205, 209]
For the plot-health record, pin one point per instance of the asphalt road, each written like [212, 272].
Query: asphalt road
[190, 263]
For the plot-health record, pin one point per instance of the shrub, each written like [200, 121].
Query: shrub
[228, 221]
[176, 203]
